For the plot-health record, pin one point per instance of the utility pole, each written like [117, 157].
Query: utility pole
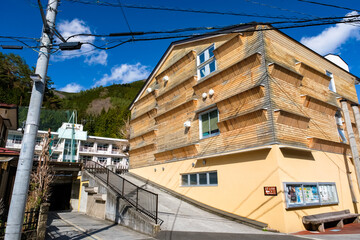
[352, 141]
[24, 168]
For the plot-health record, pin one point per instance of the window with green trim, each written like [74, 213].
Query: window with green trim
[208, 124]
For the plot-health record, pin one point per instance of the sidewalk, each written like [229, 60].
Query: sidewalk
[348, 232]
[76, 226]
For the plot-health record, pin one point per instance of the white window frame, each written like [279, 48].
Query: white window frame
[17, 139]
[207, 61]
[116, 160]
[87, 145]
[103, 160]
[198, 179]
[54, 157]
[332, 81]
[102, 147]
[86, 158]
[200, 123]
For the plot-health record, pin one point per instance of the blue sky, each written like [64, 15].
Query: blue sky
[89, 67]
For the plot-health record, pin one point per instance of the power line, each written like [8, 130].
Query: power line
[279, 8]
[148, 32]
[122, 10]
[108, 4]
[227, 29]
[215, 33]
[328, 19]
[18, 40]
[329, 5]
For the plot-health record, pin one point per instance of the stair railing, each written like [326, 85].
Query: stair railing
[143, 200]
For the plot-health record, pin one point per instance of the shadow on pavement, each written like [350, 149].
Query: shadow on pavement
[171, 235]
[70, 232]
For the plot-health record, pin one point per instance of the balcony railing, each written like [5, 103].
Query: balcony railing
[87, 149]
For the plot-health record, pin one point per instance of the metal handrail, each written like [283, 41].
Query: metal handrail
[142, 199]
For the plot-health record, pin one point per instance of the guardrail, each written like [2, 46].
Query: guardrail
[140, 198]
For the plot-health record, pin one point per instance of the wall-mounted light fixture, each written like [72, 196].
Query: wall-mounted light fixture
[204, 95]
[166, 78]
[149, 90]
[211, 92]
[187, 124]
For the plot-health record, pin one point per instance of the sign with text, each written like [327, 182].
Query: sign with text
[270, 191]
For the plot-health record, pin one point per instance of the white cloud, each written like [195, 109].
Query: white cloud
[77, 26]
[99, 57]
[72, 88]
[330, 40]
[125, 73]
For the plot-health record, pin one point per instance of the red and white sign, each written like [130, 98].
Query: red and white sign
[270, 191]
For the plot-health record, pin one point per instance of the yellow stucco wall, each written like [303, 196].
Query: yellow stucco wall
[242, 177]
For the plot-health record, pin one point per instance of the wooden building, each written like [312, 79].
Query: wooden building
[249, 121]
[8, 158]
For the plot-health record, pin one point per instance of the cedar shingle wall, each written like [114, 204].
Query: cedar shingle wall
[298, 86]
[311, 98]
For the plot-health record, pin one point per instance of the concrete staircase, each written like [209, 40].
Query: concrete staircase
[101, 196]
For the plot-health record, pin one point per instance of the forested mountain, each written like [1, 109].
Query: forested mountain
[101, 110]
[16, 85]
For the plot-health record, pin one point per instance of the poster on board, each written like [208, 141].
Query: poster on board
[295, 196]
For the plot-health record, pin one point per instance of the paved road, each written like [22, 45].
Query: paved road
[336, 237]
[185, 221]
[167, 235]
[179, 215]
[76, 226]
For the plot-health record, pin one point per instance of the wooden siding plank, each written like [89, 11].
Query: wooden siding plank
[328, 146]
[285, 74]
[177, 66]
[318, 105]
[228, 47]
[292, 119]
[242, 121]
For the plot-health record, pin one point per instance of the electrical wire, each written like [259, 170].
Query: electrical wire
[211, 28]
[279, 8]
[329, 5]
[108, 4]
[215, 33]
[14, 38]
[290, 24]
[148, 32]
[122, 10]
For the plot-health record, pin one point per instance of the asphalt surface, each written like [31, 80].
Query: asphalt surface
[75, 226]
[167, 235]
[180, 216]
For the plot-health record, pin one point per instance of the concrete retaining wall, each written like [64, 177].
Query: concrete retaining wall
[114, 208]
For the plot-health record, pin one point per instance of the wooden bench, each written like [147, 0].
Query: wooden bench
[317, 221]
